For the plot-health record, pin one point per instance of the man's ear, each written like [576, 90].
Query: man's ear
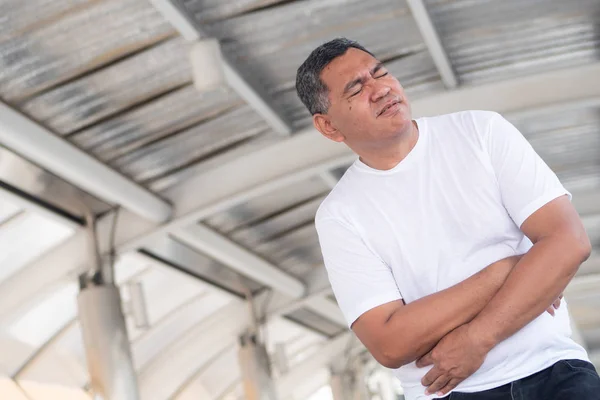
[324, 125]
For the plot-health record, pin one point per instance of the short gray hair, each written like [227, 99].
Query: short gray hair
[311, 89]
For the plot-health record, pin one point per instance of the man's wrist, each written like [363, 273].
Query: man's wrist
[482, 335]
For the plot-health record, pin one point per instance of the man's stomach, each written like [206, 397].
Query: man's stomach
[538, 345]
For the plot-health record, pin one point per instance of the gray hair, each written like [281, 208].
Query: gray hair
[311, 89]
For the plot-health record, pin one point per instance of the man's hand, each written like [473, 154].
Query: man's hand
[554, 306]
[456, 357]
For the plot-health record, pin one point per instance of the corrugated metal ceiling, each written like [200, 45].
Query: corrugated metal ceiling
[72, 43]
[112, 76]
[493, 40]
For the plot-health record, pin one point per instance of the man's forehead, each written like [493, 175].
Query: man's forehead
[353, 61]
[348, 66]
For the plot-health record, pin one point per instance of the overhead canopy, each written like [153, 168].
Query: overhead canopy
[217, 191]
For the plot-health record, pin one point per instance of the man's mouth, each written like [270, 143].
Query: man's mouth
[388, 106]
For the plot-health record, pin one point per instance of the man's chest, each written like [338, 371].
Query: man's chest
[435, 227]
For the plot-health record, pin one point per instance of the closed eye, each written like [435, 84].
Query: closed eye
[381, 76]
[357, 92]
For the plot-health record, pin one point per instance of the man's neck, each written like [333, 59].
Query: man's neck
[389, 156]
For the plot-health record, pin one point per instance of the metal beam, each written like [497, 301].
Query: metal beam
[36, 208]
[247, 263]
[249, 91]
[433, 42]
[327, 309]
[233, 183]
[516, 95]
[40, 278]
[233, 255]
[67, 161]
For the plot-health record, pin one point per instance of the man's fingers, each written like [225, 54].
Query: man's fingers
[452, 384]
[424, 361]
[439, 383]
[556, 303]
[431, 376]
[554, 306]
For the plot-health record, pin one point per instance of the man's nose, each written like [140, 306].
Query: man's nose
[380, 92]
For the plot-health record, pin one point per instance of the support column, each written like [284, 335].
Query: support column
[109, 360]
[341, 386]
[255, 369]
[385, 385]
[348, 385]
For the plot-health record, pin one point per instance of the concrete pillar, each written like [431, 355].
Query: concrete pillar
[255, 370]
[107, 348]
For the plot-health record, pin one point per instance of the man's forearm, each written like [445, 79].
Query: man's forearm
[414, 329]
[537, 280]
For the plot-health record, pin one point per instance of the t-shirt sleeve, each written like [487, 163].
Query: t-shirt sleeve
[526, 182]
[359, 278]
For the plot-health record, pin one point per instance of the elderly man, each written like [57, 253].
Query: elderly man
[446, 241]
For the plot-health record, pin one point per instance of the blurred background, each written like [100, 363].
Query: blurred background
[173, 127]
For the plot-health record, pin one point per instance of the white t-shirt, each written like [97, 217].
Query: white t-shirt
[453, 206]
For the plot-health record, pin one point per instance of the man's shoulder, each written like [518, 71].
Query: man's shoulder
[340, 200]
[333, 204]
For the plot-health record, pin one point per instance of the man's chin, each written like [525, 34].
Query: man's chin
[401, 121]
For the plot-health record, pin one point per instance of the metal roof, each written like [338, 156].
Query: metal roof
[113, 79]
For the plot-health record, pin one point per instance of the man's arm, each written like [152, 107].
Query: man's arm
[540, 276]
[560, 246]
[397, 334]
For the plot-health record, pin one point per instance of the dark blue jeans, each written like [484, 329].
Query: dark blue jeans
[565, 380]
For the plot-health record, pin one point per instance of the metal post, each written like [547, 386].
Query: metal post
[108, 353]
[348, 385]
[385, 385]
[340, 387]
[255, 369]
[109, 360]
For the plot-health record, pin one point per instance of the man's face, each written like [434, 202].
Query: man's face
[368, 106]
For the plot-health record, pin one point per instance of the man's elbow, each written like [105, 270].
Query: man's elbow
[586, 251]
[581, 247]
[577, 248]
[390, 361]
[393, 357]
